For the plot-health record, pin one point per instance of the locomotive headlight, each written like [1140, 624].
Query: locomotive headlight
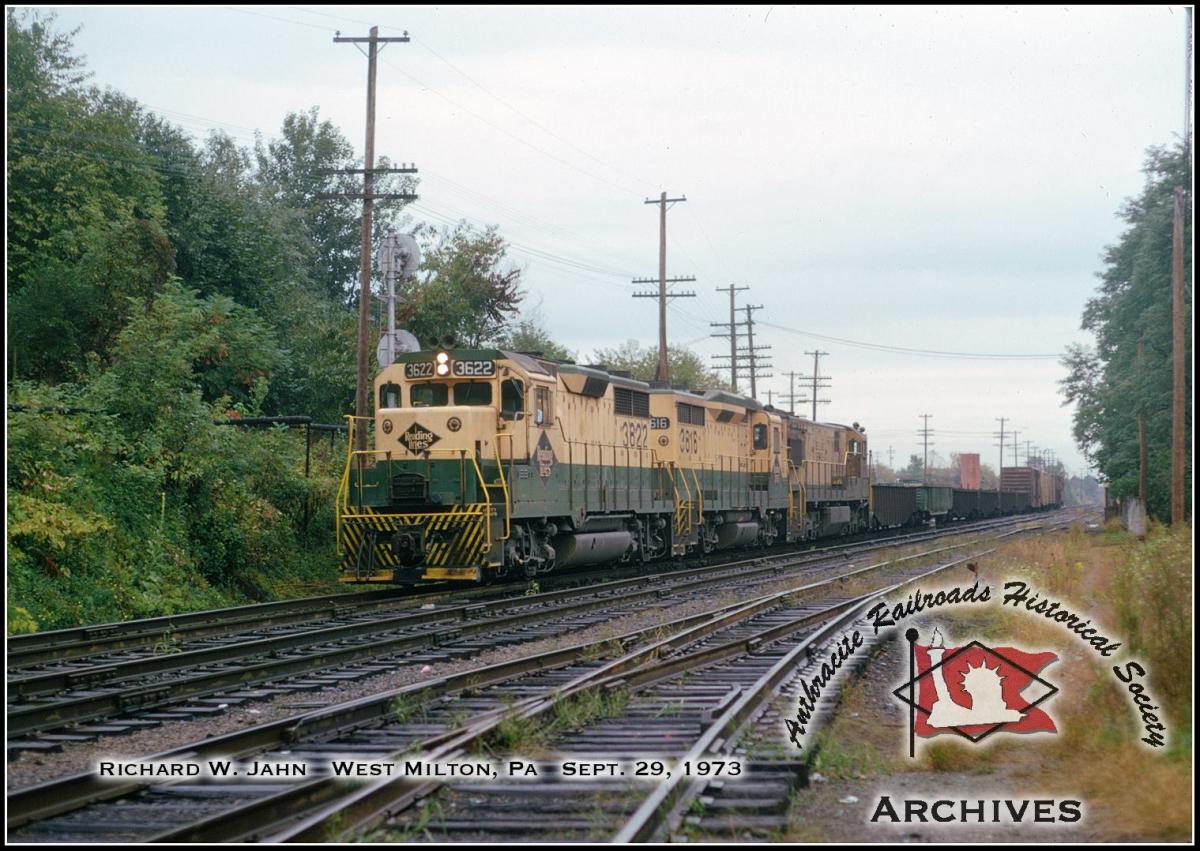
[443, 363]
[443, 357]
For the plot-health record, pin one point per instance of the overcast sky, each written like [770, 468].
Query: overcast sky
[934, 179]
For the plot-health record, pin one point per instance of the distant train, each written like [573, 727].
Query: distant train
[481, 464]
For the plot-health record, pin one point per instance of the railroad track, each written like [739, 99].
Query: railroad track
[440, 718]
[107, 642]
[79, 699]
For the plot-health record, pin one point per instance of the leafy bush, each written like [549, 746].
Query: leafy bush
[127, 500]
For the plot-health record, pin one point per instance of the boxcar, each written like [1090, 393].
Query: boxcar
[1014, 502]
[1023, 479]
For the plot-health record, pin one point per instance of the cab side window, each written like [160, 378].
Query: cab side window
[760, 436]
[389, 396]
[543, 409]
[512, 399]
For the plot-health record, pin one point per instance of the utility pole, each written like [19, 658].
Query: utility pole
[1027, 455]
[752, 350]
[373, 42]
[1178, 362]
[662, 373]
[732, 325]
[1142, 459]
[925, 432]
[793, 396]
[770, 397]
[891, 464]
[1015, 442]
[817, 380]
[1178, 308]
[1000, 469]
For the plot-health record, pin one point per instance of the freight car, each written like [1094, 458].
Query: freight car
[1044, 489]
[909, 505]
[966, 504]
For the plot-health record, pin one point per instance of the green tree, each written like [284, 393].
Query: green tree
[74, 163]
[914, 470]
[1129, 370]
[179, 346]
[687, 368]
[467, 290]
[528, 335]
[70, 310]
[310, 157]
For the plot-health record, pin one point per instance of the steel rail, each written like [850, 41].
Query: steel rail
[366, 808]
[80, 642]
[461, 622]
[60, 796]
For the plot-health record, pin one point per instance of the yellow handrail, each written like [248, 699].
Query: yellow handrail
[343, 492]
[699, 490]
[344, 485]
[504, 482]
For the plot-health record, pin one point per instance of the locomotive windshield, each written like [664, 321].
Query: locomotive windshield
[473, 393]
[437, 394]
[429, 395]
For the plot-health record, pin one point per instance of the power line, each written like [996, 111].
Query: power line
[425, 45]
[911, 351]
[506, 132]
[752, 350]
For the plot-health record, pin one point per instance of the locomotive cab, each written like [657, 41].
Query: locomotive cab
[428, 498]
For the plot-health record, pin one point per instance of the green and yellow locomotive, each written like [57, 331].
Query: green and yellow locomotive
[485, 463]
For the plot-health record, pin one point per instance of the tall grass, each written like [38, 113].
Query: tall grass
[1151, 593]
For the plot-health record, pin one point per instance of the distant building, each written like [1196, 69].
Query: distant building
[968, 471]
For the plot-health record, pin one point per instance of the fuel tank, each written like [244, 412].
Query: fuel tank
[736, 535]
[591, 548]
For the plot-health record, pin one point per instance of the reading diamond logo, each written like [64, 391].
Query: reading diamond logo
[975, 690]
[418, 439]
